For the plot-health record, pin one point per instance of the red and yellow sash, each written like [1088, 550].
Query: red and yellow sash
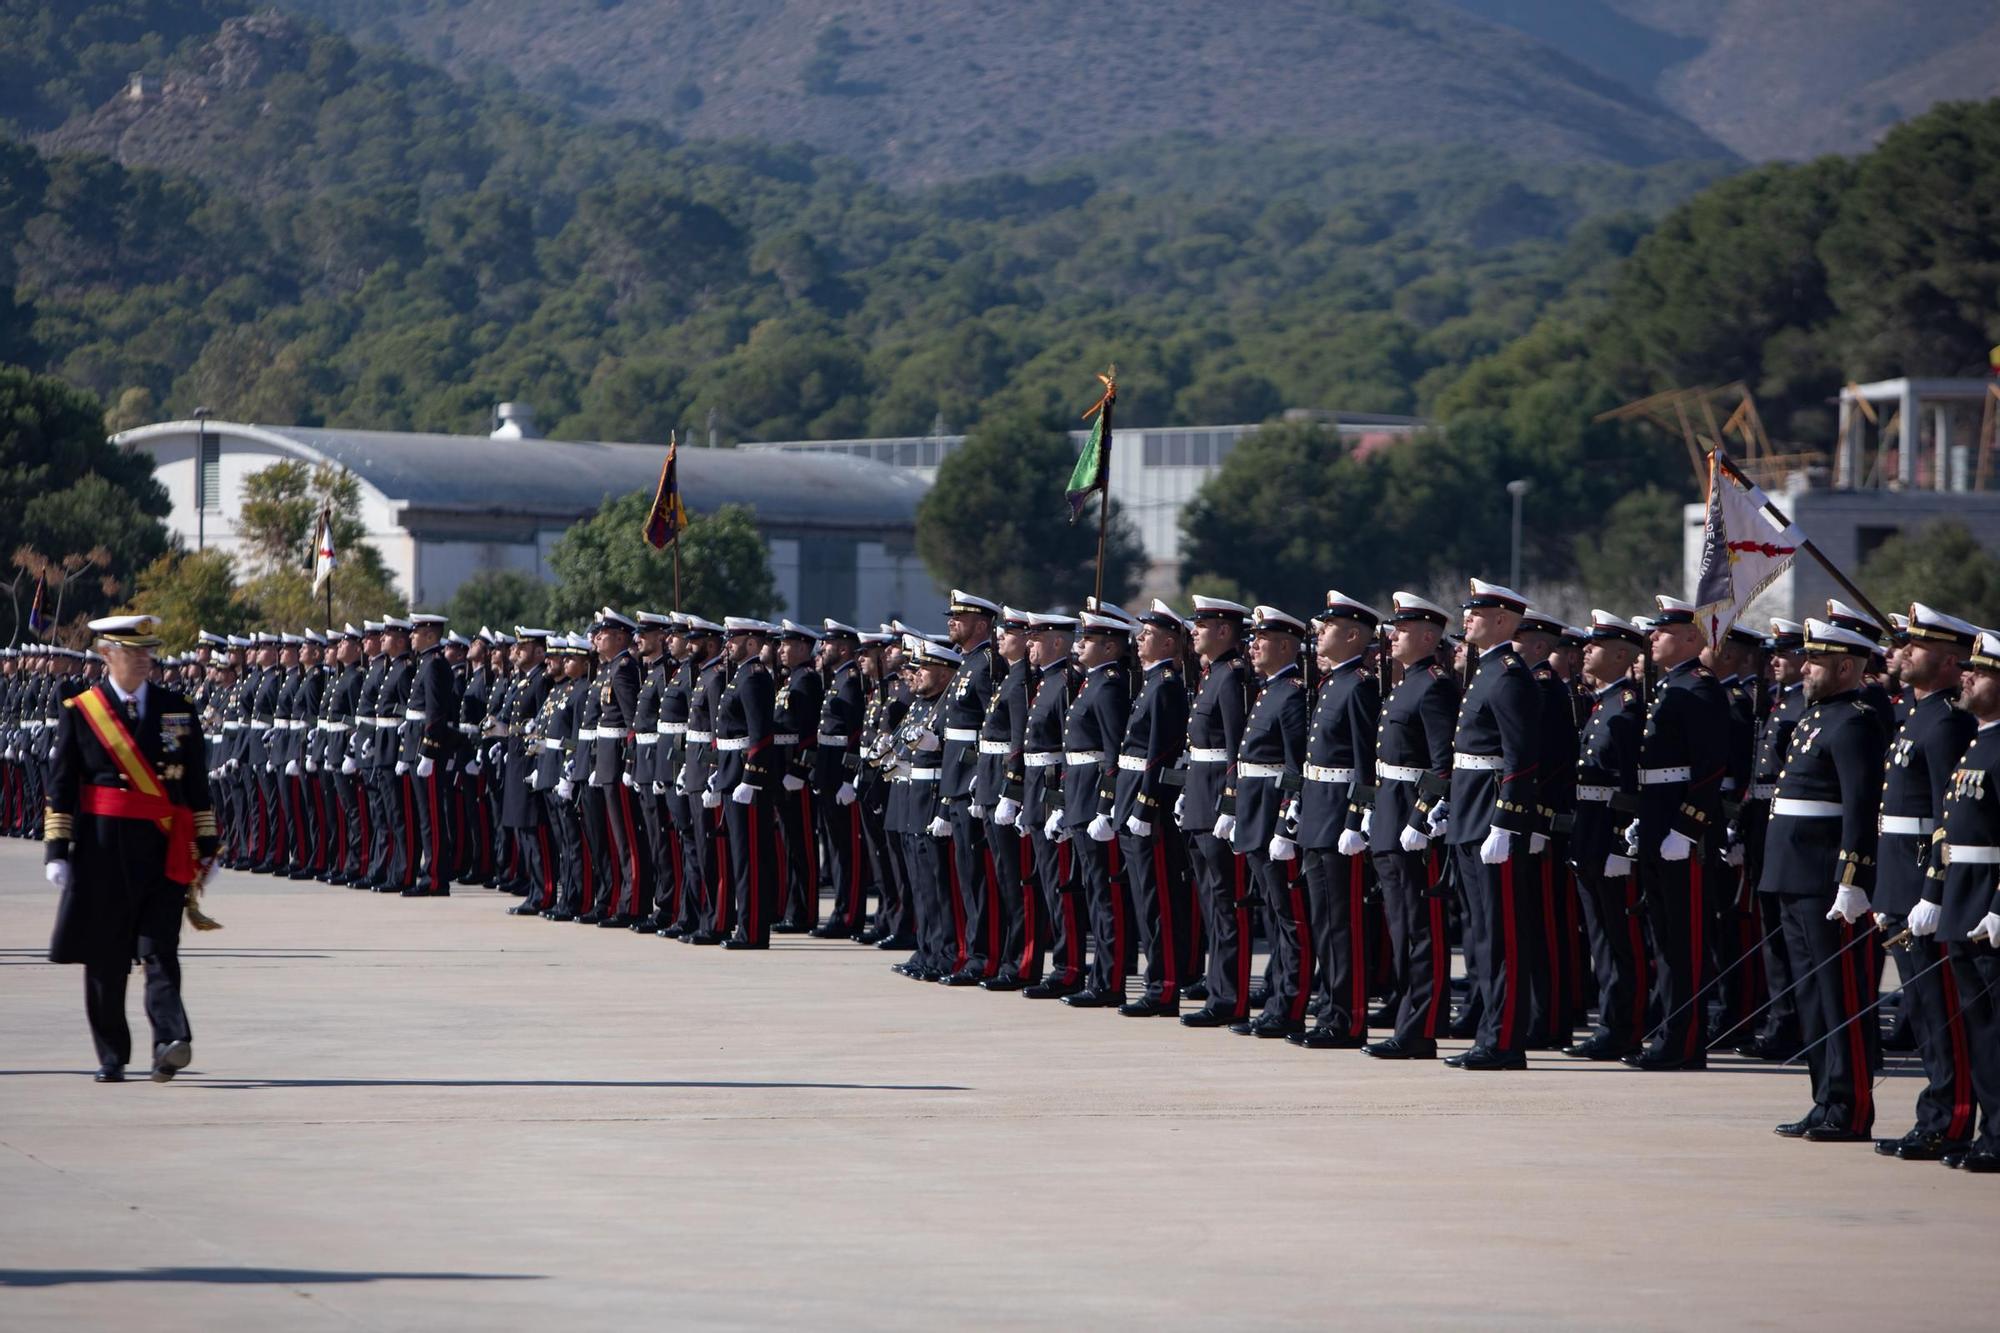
[147, 797]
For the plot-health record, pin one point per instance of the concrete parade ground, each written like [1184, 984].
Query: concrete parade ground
[426, 1114]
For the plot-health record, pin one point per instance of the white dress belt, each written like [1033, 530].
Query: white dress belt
[1200, 754]
[961, 733]
[1260, 770]
[1078, 758]
[1600, 794]
[673, 728]
[1321, 773]
[1654, 777]
[1398, 773]
[996, 747]
[1484, 763]
[389, 721]
[701, 737]
[784, 738]
[1967, 854]
[549, 743]
[1798, 809]
[587, 734]
[227, 726]
[1132, 763]
[413, 715]
[1915, 825]
[649, 740]
[832, 742]
[923, 774]
[731, 744]
[1042, 759]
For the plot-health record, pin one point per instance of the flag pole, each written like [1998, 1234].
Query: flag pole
[1105, 404]
[1728, 465]
[677, 573]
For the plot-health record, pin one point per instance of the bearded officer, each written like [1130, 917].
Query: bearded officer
[128, 835]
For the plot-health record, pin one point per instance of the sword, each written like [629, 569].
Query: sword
[1835, 957]
[1925, 1045]
[1717, 980]
[1865, 1010]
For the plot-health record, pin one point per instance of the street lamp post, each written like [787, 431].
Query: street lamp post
[201, 415]
[1516, 488]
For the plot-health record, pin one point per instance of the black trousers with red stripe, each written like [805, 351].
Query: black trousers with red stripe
[1945, 1105]
[894, 916]
[1289, 916]
[1616, 923]
[846, 860]
[1115, 950]
[626, 888]
[1156, 868]
[1018, 905]
[1975, 973]
[1337, 890]
[1677, 908]
[1061, 932]
[1496, 928]
[754, 870]
[1844, 1068]
[1224, 890]
[1420, 951]
[799, 901]
[933, 917]
[432, 872]
[978, 896]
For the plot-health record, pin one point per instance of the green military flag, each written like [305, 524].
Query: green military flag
[1092, 474]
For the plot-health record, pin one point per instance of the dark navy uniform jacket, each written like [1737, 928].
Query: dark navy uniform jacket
[1836, 759]
[1154, 735]
[434, 693]
[841, 709]
[617, 688]
[746, 712]
[996, 772]
[1274, 738]
[1968, 889]
[1094, 724]
[1056, 687]
[710, 679]
[1687, 728]
[1607, 776]
[1500, 719]
[646, 722]
[1340, 754]
[961, 712]
[1556, 792]
[1922, 757]
[1215, 729]
[1415, 733]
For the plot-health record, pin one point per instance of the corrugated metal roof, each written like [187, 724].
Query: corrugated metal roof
[476, 474]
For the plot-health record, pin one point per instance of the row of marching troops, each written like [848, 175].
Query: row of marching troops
[1694, 845]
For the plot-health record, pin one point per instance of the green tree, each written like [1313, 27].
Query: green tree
[996, 521]
[605, 561]
[281, 505]
[1942, 565]
[1633, 553]
[190, 591]
[499, 599]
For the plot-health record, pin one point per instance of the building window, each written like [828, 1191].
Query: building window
[1154, 452]
[208, 473]
[827, 579]
[1201, 448]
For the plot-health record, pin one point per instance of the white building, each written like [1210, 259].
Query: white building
[442, 508]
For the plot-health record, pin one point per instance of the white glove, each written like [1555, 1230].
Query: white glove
[534, 780]
[744, 794]
[1351, 843]
[626, 780]
[291, 768]
[1499, 845]
[312, 764]
[1924, 918]
[1100, 829]
[1052, 826]
[1007, 813]
[659, 789]
[1616, 866]
[926, 741]
[57, 873]
[939, 827]
[1282, 848]
[270, 765]
[1849, 904]
[402, 768]
[844, 795]
[1225, 827]
[711, 800]
[793, 782]
[565, 790]
[1537, 844]
[1180, 811]
[1439, 816]
[1988, 929]
[426, 766]
[593, 779]
[1367, 821]
[472, 769]
[1632, 838]
[1676, 846]
[1138, 827]
[1734, 855]
[1412, 839]
[348, 766]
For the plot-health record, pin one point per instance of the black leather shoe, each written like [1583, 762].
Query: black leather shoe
[1597, 1048]
[1047, 990]
[1003, 982]
[1275, 1029]
[170, 1058]
[1144, 1008]
[109, 1074]
[1195, 990]
[870, 936]
[1327, 1039]
[614, 923]
[788, 928]
[1932, 1147]
[1983, 1162]
[1206, 1018]
[1094, 999]
[734, 942]
[1462, 1029]
[524, 909]
[589, 919]
[558, 915]
[1796, 1129]
[672, 932]
[1835, 1134]
[1480, 1057]
[703, 937]
[1259, 997]
[827, 930]
[894, 942]
[1395, 1048]
[1956, 1160]
[1383, 1017]
[960, 979]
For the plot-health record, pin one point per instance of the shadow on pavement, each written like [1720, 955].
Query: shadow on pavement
[259, 1084]
[64, 1277]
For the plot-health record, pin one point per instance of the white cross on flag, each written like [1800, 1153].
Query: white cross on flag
[1742, 550]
